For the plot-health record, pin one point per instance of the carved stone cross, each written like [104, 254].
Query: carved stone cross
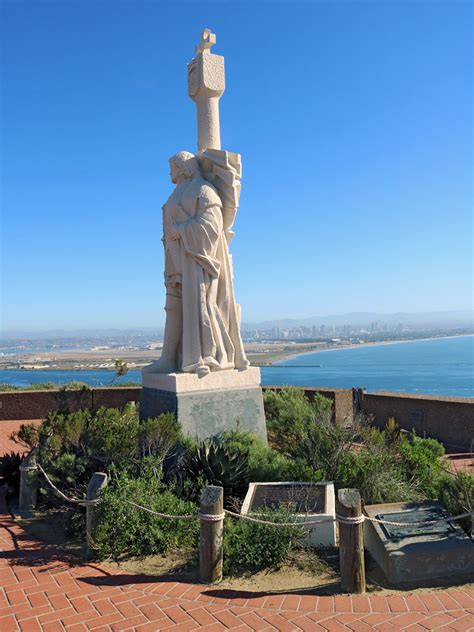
[208, 39]
[206, 84]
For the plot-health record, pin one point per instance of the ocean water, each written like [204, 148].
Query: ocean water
[442, 366]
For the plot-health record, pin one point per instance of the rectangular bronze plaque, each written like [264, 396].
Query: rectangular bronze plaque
[296, 498]
[420, 515]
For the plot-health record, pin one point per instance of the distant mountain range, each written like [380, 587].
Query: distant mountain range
[419, 320]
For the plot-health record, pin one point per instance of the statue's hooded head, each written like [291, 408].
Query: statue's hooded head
[183, 166]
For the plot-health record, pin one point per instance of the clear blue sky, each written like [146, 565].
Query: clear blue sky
[354, 121]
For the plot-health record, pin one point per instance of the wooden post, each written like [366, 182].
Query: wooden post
[351, 542]
[210, 545]
[96, 485]
[28, 484]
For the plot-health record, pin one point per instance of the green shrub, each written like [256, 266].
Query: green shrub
[157, 436]
[123, 530]
[422, 461]
[39, 386]
[288, 412]
[456, 492]
[377, 474]
[251, 546]
[266, 464]
[74, 385]
[72, 446]
[301, 429]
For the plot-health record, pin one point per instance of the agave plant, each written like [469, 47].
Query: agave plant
[210, 462]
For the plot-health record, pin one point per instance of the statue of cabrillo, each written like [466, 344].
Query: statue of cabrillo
[202, 330]
[203, 375]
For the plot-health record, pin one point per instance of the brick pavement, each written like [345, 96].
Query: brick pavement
[9, 445]
[43, 589]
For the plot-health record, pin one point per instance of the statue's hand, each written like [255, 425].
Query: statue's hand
[174, 235]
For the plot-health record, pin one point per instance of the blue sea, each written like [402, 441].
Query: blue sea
[441, 366]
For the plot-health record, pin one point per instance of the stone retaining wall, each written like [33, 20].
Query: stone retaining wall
[449, 419]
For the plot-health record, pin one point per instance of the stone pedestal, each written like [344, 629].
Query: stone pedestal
[421, 555]
[208, 405]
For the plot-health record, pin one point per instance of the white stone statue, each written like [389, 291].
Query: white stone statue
[202, 330]
[202, 320]
[203, 376]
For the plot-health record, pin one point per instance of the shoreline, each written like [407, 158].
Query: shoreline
[381, 343]
[256, 357]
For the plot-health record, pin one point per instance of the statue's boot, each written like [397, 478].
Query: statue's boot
[168, 361]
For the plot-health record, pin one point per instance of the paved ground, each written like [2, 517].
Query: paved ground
[41, 589]
[7, 444]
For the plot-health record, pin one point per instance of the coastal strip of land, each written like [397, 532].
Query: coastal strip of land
[259, 354]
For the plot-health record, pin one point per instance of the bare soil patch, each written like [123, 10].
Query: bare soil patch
[308, 571]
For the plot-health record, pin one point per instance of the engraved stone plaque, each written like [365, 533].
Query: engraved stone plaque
[296, 498]
[313, 503]
[422, 515]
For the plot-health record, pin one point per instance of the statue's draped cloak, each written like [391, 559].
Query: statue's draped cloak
[200, 261]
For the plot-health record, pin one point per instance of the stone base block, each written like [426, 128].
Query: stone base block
[206, 406]
[422, 558]
[316, 499]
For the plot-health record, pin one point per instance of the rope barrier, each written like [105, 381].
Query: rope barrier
[162, 515]
[58, 491]
[277, 524]
[351, 519]
[211, 517]
[298, 522]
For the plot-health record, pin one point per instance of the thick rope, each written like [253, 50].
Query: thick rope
[211, 517]
[58, 491]
[278, 524]
[350, 520]
[162, 515]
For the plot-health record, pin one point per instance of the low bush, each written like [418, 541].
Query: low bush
[383, 465]
[39, 386]
[422, 461]
[231, 459]
[456, 492]
[72, 446]
[253, 546]
[378, 475]
[124, 530]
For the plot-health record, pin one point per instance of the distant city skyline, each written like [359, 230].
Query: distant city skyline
[354, 121]
[316, 325]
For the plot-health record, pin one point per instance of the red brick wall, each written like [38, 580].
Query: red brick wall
[449, 419]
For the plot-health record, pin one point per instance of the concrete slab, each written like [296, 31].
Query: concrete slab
[418, 555]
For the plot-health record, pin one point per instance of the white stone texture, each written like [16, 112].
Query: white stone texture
[192, 382]
[206, 84]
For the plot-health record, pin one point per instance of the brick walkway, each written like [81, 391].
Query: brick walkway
[42, 589]
[9, 445]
